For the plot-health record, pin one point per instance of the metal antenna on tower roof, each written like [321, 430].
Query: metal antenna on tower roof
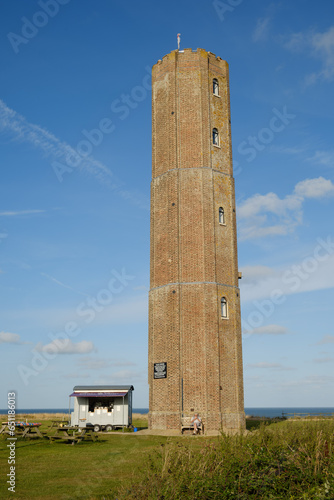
[178, 41]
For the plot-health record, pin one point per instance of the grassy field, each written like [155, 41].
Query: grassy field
[87, 470]
[287, 460]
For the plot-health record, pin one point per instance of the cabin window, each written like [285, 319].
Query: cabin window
[102, 403]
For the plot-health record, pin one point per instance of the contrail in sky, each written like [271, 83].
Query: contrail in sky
[24, 131]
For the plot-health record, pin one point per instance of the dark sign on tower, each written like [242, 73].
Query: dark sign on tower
[160, 370]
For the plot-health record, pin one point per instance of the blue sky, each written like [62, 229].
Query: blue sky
[75, 135]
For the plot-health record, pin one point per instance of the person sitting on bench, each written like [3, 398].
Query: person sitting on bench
[196, 421]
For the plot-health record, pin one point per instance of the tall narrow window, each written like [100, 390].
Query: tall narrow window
[223, 306]
[221, 216]
[215, 137]
[215, 86]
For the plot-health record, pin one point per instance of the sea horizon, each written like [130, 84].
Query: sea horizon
[269, 411]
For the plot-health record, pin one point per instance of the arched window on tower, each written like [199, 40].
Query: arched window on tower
[221, 216]
[223, 307]
[215, 137]
[215, 86]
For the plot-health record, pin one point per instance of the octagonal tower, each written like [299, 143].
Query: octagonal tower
[195, 351]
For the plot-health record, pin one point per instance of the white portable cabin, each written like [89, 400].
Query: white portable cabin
[103, 407]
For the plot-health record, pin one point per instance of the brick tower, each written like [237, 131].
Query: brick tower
[195, 353]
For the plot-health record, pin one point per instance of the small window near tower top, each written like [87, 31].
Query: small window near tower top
[221, 216]
[223, 306]
[215, 86]
[215, 137]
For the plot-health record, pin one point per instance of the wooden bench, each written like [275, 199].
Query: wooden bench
[186, 425]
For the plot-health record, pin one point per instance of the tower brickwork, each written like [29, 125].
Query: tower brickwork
[193, 335]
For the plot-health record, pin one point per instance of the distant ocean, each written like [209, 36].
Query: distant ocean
[256, 412]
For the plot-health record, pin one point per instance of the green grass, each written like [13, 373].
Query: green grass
[255, 423]
[282, 461]
[287, 460]
[86, 470]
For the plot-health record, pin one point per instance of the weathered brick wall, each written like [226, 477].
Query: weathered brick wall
[193, 256]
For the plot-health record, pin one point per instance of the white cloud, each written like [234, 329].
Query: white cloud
[9, 338]
[262, 29]
[122, 377]
[89, 363]
[295, 42]
[252, 274]
[328, 359]
[55, 318]
[269, 330]
[320, 46]
[20, 212]
[268, 215]
[265, 365]
[76, 375]
[95, 363]
[267, 203]
[133, 310]
[328, 339]
[314, 188]
[66, 346]
[323, 46]
[125, 375]
[323, 158]
[254, 231]
[308, 274]
[286, 150]
[313, 381]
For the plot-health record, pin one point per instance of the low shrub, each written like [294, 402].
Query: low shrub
[279, 461]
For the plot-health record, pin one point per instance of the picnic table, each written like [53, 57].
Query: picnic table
[23, 429]
[58, 423]
[73, 434]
